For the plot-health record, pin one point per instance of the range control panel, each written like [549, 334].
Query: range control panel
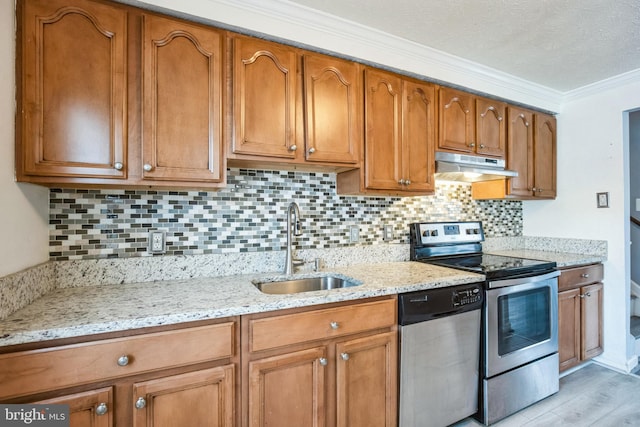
[431, 233]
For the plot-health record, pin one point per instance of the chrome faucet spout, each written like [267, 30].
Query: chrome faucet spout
[294, 227]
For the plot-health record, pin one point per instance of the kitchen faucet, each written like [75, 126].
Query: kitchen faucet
[293, 221]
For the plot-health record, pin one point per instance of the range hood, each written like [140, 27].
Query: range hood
[469, 168]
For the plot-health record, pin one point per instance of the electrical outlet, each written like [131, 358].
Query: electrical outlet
[354, 234]
[157, 241]
[387, 233]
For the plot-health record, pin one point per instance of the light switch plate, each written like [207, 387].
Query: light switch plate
[387, 233]
[354, 234]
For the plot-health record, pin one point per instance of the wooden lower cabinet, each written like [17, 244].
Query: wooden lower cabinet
[345, 378]
[90, 408]
[580, 315]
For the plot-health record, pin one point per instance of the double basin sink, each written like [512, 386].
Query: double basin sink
[307, 284]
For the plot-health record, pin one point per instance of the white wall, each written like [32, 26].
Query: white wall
[591, 159]
[23, 208]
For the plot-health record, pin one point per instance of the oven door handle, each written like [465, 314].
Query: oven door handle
[522, 280]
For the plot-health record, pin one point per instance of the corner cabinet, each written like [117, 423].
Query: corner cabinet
[400, 137]
[580, 314]
[335, 366]
[531, 151]
[182, 376]
[471, 124]
[95, 77]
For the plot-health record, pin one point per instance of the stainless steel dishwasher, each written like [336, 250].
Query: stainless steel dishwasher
[439, 355]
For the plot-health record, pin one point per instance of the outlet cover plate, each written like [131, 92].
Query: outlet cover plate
[157, 241]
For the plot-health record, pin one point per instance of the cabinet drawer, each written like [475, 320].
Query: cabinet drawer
[35, 371]
[314, 325]
[580, 276]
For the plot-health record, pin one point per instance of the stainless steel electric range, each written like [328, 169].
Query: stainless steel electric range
[519, 326]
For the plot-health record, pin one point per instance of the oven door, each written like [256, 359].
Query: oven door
[520, 322]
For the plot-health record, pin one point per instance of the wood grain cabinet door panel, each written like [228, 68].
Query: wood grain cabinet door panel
[202, 398]
[520, 151]
[73, 90]
[456, 121]
[264, 98]
[591, 317]
[331, 107]
[182, 121]
[544, 165]
[90, 408]
[569, 328]
[491, 129]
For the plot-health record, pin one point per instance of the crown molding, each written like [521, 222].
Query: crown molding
[603, 85]
[282, 20]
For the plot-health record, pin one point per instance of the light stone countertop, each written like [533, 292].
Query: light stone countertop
[81, 311]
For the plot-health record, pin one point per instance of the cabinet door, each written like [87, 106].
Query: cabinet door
[520, 151]
[418, 136]
[91, 408]
[73, 92]
[591, 318]
[201, 398]
[490, 128]
[264, 98]
[332, 97]
[288, 390]
[181, 101]
[544, 156]
[366, 381]
[569, 328]
[456, 121]
[382, 133]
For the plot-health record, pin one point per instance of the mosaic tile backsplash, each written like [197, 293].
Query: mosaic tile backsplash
[249, 215]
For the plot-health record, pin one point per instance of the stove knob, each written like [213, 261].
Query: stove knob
[476, 231]
[469, 231]
[426, 233]
[434, 233]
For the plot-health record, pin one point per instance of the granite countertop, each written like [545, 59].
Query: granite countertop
[81, 311]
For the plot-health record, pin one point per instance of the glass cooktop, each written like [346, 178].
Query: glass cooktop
[495, 266]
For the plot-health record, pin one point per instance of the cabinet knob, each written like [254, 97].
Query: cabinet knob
[147, 167]
[294, 147]
[334, 325]
[141, 403]
[407, 182]
[118, 166]
[481, 145]
[102, 408]
[584, 275]
[344, 356]
[323, 361]
[312, 150]
[401, 182]
[472, 144]
[123, 360]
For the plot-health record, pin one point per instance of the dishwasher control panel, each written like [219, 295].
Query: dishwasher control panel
[464, 296]
[421, 306]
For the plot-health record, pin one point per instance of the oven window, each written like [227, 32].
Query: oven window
[523, 319]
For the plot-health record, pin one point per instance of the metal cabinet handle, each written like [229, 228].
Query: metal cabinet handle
[401, 182]
[118, 166]
[481, 145]
[123, 360]
[585, 275]
[294, 147]
[472, 144]
[147, 167]
[407, 182]
[312, 150]
[344, 356]
[102, 408]
[334, 325]
[323, 361]
[141, 403]
[588, 294]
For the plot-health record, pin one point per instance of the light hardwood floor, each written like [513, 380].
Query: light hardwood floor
[592, 396]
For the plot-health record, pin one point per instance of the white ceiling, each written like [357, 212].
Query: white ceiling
[560, 44]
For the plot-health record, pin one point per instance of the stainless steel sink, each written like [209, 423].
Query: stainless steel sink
[304, 285]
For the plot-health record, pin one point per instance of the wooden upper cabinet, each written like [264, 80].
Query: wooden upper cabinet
[471, 124]
[490, 127]
[72, 90]
[383, 144]
[264, 98]
[544, 151]
[332, 98]
[520, 151]
[182, 119]
[457, 121]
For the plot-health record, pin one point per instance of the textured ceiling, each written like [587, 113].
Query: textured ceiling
[560, 44]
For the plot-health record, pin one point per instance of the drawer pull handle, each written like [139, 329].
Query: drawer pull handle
[123, 360]
[334, 325]
[102, 409]
[344, 356]
[323, 361]
[584, 275]
[141, 403]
